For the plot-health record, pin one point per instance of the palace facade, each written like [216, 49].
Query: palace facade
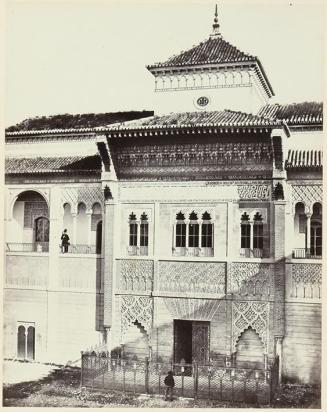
[195, 233]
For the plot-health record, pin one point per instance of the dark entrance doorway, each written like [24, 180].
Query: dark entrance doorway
[191, 341]
[42, 234]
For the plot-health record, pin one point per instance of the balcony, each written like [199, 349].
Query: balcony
[303, 253]
[254, 253]
[27, 247]
[193, 251]
[137, 250]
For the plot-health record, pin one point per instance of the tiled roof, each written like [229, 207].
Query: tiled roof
[215, 50]
[295, 114]
[225, 118]
[304, 158]
[77, 122]
[212, 50]
[52, 164]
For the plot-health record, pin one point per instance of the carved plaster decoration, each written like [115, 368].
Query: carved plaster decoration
[135, 308]
[251, 279]
[254, 314]
[307, 194]
[136, 275]
[88, 195]
[33, 210]
[188, 210]
[251, 213]
[237, 154]
[254, 192]
[306, 280]
[138, 212]
[192, 309]
[307, 273]
[203, 80]
[195, 277]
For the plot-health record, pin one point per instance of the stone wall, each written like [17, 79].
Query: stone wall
[302, 342]
[27, 270]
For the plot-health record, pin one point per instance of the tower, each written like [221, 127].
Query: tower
[214, 75]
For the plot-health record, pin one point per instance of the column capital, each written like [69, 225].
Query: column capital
[308, 215]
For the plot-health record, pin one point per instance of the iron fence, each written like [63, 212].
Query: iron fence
[102, 371]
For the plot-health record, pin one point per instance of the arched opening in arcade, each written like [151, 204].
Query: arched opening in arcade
[29, 228]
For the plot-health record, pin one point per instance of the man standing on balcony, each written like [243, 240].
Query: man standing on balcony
[64, 241]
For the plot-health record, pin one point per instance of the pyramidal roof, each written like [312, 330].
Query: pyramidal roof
[214, 51]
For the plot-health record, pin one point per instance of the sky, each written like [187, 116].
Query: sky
[77, 56]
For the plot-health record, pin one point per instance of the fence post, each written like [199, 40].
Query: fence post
[82, 367]
[146, 375]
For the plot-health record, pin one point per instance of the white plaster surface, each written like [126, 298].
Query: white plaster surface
[16, 372]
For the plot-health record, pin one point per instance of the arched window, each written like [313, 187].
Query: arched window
[316, 231]
[138, 243]
[207, 231]
[245, 231]
[144, 234]
[180, 230]
[30, 342]
[26, 341]
[257, 231]
[193, 233]
[132, 230]
[21, 343]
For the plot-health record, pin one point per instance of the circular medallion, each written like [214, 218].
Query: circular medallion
[202, 101]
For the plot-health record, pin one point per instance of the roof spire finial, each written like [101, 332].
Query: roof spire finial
[215, 26]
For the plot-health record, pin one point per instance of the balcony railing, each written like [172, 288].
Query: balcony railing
[82, 249]
[193, 251]
[254, 253]
[28, 247]
[137, 250]
[303, 253]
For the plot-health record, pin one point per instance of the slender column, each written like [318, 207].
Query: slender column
[89, 224]
[174, 234]
[187, 232]
[200, 234]
[109, 213]
[308, 242]
[138, 238]
[74, 228]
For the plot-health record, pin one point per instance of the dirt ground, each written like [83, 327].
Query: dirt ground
[61, 388]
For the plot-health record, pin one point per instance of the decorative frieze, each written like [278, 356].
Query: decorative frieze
[250, 314]
[33, 210]
[136, 275]
[194, 309]
[195, 277]
[136, 308]
[251, 279]
[306, 280]
[88, 195]
[217, 154]
[254, 192]
[307, 194]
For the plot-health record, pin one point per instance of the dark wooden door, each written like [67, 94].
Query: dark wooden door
[200, 342]
[42, 229]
